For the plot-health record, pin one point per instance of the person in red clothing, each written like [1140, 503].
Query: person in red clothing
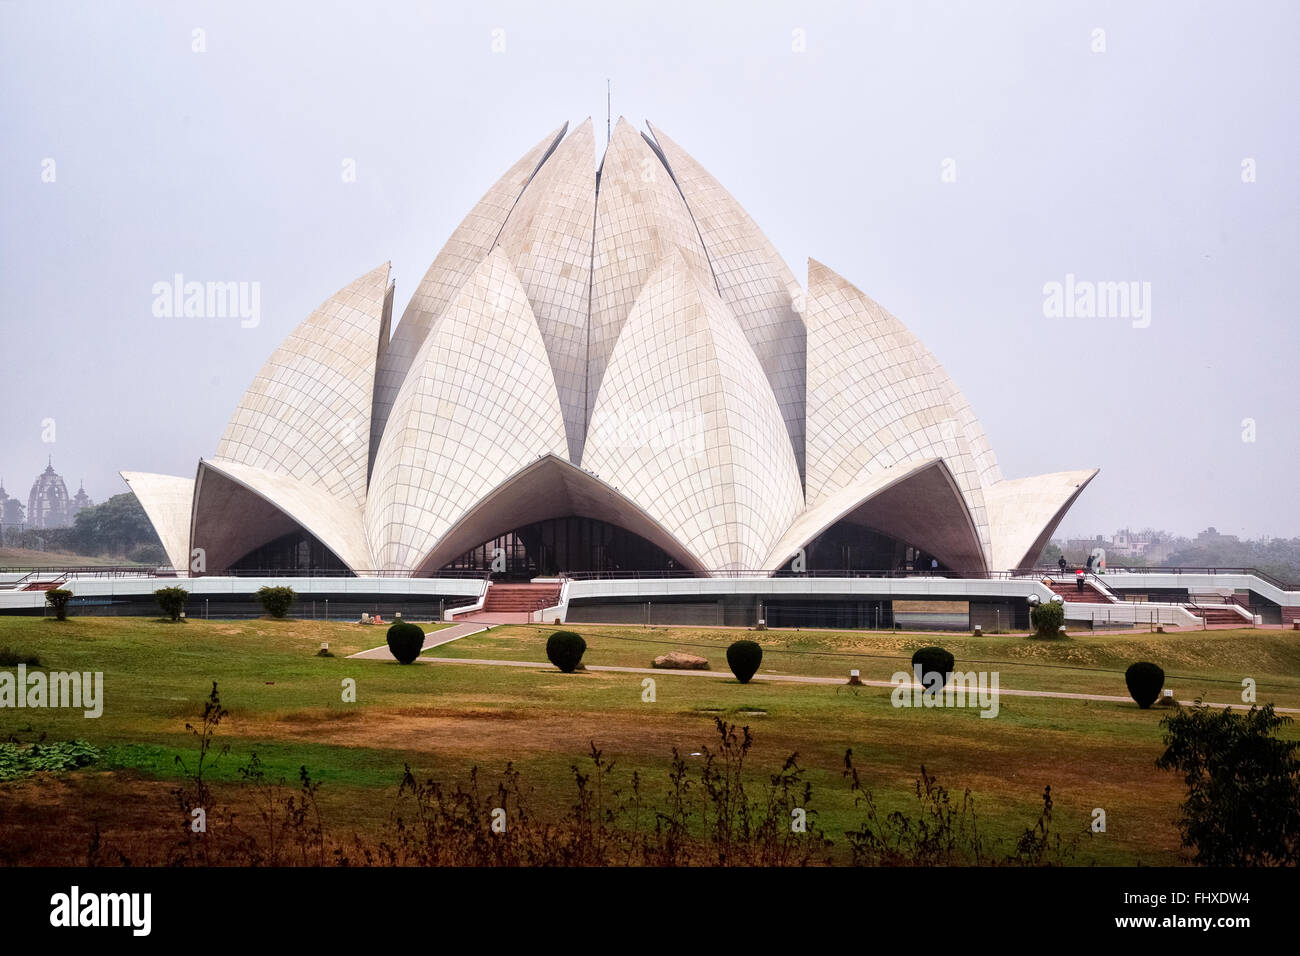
[1078, 578]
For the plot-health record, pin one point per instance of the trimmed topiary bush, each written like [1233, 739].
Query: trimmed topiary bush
[276, 601]
[1145, 681]
[405, 641]
[743, 657]
[933, 660]
[58, 599]
[1047, 619]
[172, 601]
[565, 650]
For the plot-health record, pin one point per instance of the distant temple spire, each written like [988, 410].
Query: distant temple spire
[49, 505]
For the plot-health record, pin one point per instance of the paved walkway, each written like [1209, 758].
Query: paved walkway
[433, 639]
[797, 679]
[496, 617]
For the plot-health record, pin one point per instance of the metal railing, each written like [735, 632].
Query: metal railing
[1184, 569]
[684, 574]
[1050, 571]
[129, 571]
[1180, 569]
[103, 571]
[342, 573]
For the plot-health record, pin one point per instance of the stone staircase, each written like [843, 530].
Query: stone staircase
[519, 599]
[48, 585]
[1213, 614]
[1070, 591]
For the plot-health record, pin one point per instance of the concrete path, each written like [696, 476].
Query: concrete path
[797, 679]
[433, 639]
[495, 617]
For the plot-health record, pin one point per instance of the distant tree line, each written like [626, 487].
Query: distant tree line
[1279, 557]
[116, 528]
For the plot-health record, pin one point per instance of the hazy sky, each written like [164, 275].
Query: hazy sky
[1122, 165]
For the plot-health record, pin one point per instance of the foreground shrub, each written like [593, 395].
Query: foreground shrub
[276, 601]
[933, 660]
[1047, 619]
[172, 601]
[945, 831]
[565, 650]
[1144, 681]
[18, 760]
[715, 811]
[743, 657]
[405, 641]
[9, 657]
[1243, 785]
[58, 598]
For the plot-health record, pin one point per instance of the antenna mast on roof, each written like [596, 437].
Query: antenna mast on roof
[607, 111]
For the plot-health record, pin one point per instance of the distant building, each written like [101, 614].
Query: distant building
[49, 506]
[1084, 545]
[1211, 536]
[1130, 544]
[11, 509]
[1147, 544]
[80, 501]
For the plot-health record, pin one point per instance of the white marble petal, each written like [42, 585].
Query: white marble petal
[471, 241]
[1023, 513]
[307, 413]
[686, 426]
[238, 508]
[479, 403]
[548, 239]
[873, 398]
[640, 219]
[167, 502]
[753, 281]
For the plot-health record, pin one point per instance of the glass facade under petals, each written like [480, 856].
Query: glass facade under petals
[298, 552]
[565, 544]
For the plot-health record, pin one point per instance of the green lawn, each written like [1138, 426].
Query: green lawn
[1206, 664]
[286, 704]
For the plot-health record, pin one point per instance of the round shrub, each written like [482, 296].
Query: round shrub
[743, 657]
[405, 641]
[276, 601]
[171, 601]
[1047, 619]
[565, 650]
[933, 660]
[1144, 681]
[58, 599]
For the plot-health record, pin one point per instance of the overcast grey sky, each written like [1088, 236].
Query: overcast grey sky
[1122, 165]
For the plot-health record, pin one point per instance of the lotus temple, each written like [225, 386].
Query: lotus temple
[610, 399]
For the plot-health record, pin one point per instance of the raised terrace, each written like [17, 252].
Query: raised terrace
[1186, 598]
